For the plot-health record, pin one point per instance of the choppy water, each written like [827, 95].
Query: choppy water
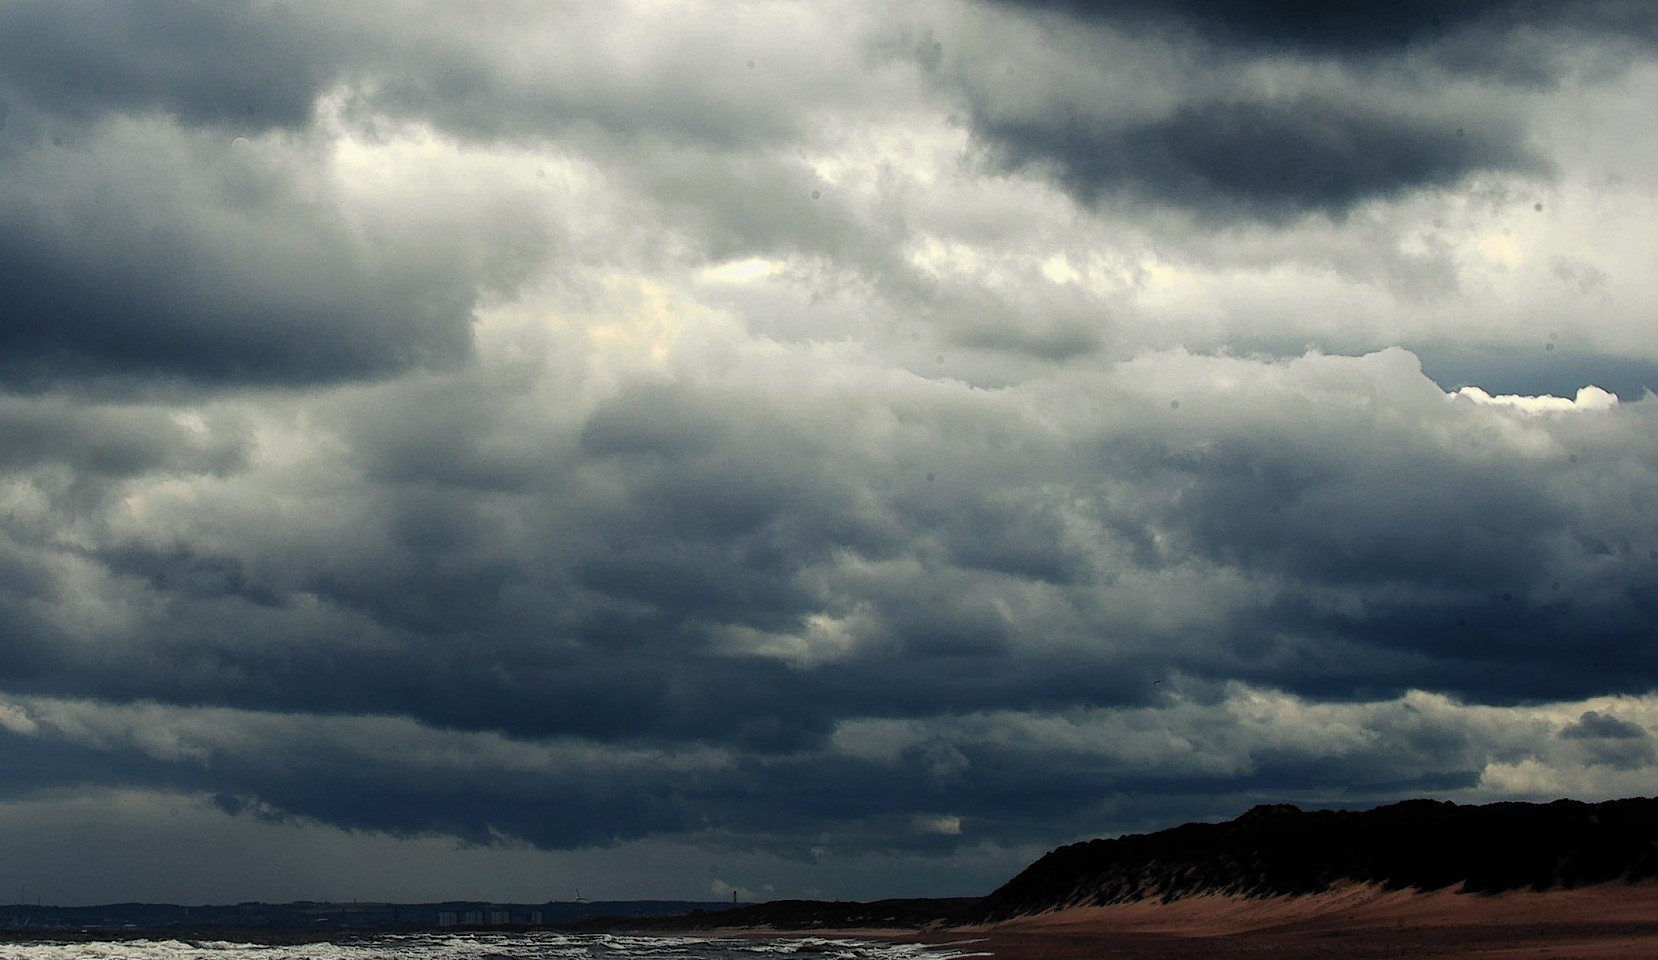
[489, 946]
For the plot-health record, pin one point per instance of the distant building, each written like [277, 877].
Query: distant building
[473, 918]
[448, 918]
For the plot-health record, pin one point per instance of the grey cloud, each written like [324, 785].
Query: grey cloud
[46, 767]
[740, 206]
[154, 252]
[113, 441]
[1608, 741]
[590, 77]
[1361, 27]
[706, 98]
[1443, 567]
[721, 524]
[1594, 725]
[1270, 160]
[183, 572]
[1297, 109]
[242, 65]
[554, 813]
[623, 664]
[349, 770]
[142, 245]
[148, 247]
[1046, 322]
[676, 569]
[297, 767]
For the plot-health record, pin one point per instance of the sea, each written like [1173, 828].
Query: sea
[490, 946]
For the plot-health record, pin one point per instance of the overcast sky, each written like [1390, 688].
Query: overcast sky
[833, 449]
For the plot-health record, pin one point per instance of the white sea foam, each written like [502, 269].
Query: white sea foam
[484, 946]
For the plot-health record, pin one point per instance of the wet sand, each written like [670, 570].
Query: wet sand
[1610, 922]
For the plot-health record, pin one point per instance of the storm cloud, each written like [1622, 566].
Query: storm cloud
[1368, 25]
[1278, 110]
[817, 451]
[1258, 159]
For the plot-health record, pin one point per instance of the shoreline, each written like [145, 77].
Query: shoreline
[1603, 922]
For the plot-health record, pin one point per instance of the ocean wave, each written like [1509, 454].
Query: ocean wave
[484, 946]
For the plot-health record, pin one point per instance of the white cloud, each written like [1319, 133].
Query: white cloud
[1588, 398]
[943, 825]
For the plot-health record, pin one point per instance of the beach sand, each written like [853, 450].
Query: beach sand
[1609, 922]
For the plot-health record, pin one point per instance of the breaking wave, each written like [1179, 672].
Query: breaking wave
[487, 946]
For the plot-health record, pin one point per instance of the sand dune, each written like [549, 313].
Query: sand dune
[1607, 921]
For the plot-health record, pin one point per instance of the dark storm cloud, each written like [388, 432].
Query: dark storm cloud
[1594, 725]
[1387, 116]
[42, 766]
[562, 798]
[675, 586]
[1266, 160]
[1422, 569]
[616, 607]
[719, 569]
[244, 65]
[149, 243]
[139, 245]
[551, 809]
[143, 252]
[465, 92]
[182, 572]
[218, 282]
[388, 775]
[1490, 651]
[110, 441]
[1366, 26]
[1612, 742]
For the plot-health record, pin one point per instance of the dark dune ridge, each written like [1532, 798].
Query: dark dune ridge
[1502, 881]
[1273, 851]
[1281, 850]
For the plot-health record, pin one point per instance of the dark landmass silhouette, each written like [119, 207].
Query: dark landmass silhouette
[1277, 851]
[1501, 881]
[1280, 850]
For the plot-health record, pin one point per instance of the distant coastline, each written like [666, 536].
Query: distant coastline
[323, 920]
[1420, 877]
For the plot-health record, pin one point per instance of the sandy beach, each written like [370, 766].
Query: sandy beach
[1608, 922]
